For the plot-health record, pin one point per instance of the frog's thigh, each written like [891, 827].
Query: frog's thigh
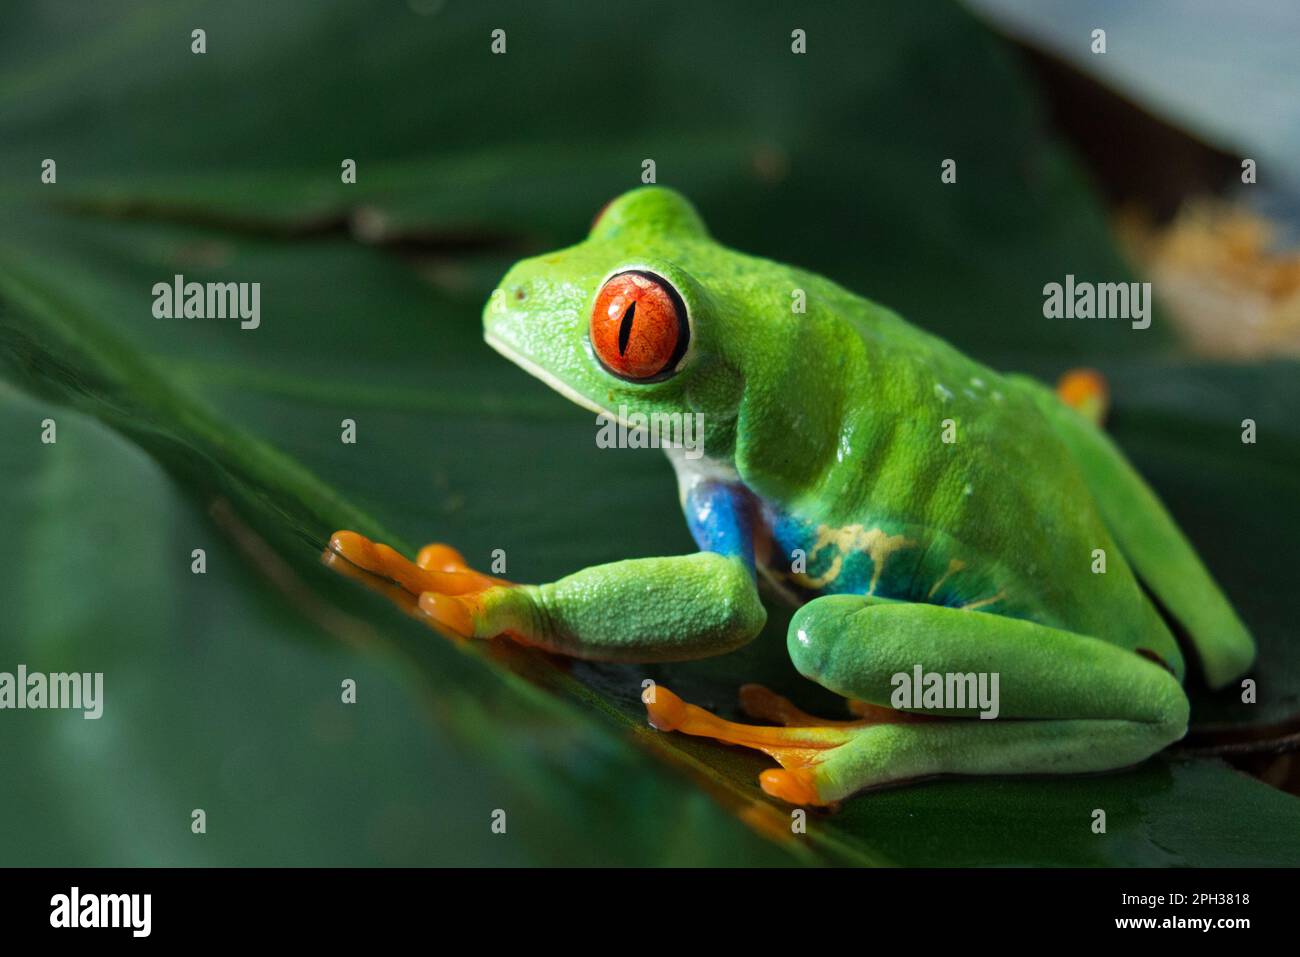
[1086, 705]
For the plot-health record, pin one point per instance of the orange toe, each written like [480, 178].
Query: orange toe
[1086, 391]
[354, 547]
[794, 787]
[449, 611]
[441, 574]
[456, 582]
[763, 704]
[800, 749]
[441, 558]
[670, 713]
[666, 711]
[380, 559]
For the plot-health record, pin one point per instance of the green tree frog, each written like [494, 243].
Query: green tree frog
[928, 515]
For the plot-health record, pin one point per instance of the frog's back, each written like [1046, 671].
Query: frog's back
[949, 485]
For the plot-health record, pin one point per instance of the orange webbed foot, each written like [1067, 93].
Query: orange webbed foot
[446, 588]
[799, 749]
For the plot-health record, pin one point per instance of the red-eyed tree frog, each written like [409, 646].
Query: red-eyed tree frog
[929, 515]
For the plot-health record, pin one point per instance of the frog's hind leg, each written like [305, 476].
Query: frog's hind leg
[1058, 702]
[1159, 552]
[1026, 699]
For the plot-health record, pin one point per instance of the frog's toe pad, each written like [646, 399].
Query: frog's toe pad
[1085, 390]
[666, 711]
[795, 786]
[440, 557]
[447, 567]
[361, 551]
[379, 559]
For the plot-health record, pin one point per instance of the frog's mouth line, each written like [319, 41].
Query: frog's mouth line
[537, 372]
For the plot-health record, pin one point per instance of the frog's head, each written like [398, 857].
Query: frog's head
[623, 322]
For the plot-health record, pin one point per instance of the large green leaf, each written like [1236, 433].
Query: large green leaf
[169, 163]
[223, 691]
[442, 464]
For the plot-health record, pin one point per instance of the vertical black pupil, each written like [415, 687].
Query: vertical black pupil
[625, 329]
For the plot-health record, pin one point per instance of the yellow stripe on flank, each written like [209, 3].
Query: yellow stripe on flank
[983, 602]
[954, 566]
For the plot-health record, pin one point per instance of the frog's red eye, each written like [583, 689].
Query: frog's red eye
[638, 326]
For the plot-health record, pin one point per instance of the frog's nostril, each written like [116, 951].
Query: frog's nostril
[520, 295]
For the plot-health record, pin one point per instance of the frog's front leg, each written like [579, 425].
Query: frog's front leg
[639, 610]
[1067, 703]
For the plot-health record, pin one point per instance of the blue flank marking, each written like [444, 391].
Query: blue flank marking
[720, 519]
[898, 579]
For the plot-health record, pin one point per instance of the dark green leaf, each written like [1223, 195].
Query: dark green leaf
[225, 167]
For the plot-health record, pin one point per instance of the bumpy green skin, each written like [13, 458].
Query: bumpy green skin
[1094, 705]
[834, 417]
[640, 610]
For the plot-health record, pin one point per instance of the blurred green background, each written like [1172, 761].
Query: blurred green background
[223, 690]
